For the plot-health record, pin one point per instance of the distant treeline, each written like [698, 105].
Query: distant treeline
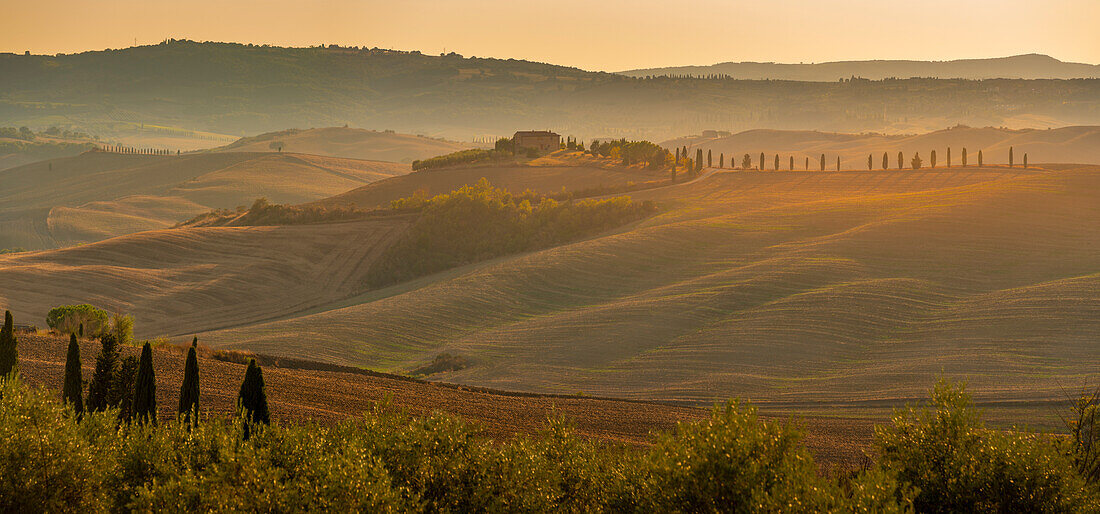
[480, 222]
[263, 212]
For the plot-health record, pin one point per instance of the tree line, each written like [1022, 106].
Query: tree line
[130, 150]
[129, 384]
[916, 162]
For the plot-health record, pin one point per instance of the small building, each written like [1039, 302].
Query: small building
[541, 140]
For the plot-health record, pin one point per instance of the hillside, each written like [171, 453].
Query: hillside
[238, 89]
[96, 195]
[806, 291]
[1031, 66]
[348, 143]
[1067, 144]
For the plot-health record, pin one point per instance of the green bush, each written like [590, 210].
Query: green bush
[472, 156]
[957, 464]
[68, 318]
[480, 222]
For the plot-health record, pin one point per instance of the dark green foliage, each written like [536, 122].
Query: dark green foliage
[698, 159]
[776, 162]
[122, 390]
[957, 464]
[949, 157]
[1011, 159]
[791, 168]
[264, 213]
[441, 363]
[838, 163]
[68, 318]
[252, 399]
[885, 161]
[9, 353]
[145, 388]
[463, 157]
[964, 157]
[73, 391]
[746, 162]
[481, 222]
[870, 162]
[822, 162]
[916, 162]
[721, 160]
[106, 367]
[710, 159]
[981, 160]
[761, 161]
[1025, 159]
[189, 391]
[932, 159]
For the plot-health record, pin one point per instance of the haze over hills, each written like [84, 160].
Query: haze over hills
[1030, 66]
[232, 88]
[97, 195]
[1067, 144]
[349, 143]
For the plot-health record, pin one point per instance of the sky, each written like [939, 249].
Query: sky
[608, 35]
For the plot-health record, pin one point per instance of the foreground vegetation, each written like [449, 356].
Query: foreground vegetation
[936, 458]
[480, 222]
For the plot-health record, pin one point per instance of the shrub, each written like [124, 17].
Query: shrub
[67, 319]
[442, 362]
[123, 327]
[956, 464]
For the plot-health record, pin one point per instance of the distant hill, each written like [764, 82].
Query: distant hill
[1065, 145]
[227, 88]
[350, 143]
[97, 195]
[1030, 66]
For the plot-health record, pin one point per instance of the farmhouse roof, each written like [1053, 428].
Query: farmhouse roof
[535, 133]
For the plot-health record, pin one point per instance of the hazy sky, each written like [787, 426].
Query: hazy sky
[606, 35]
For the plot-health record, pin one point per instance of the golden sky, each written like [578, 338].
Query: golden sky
[608, 35]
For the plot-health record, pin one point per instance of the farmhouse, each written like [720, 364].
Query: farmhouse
[541, 140]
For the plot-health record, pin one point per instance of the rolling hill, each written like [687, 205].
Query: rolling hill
[1031, 66]
[96, 195]
[1066, 144]
[243, 89]
[849, 289]
[348, 143]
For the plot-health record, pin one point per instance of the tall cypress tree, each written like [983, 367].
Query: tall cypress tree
[761, 161]
[838, 163]
[73, 391]
[932, 159]
[189, 392]
[721, 160]
[1025, 159]
[901, 161]
[964, 157]
[776, 162]
[106, 366]
[870, 162]
[1011, 160]
[145, 388]
[710, 159]
[9, 355]
[699, 159]
[252, 400]
[949, 157]
[822, 162]
[792, 163]
[980, 159]
[122, 391]
[885, 161]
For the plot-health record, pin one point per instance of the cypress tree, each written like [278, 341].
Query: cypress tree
[838, 163]
[870, 162]
[792, 163]
[964, 157]
[122, 393]
[776, 162]
[189, 392]
[145, 388]
[1011, 160]
[9, 354]
[949, 157]
[901, 161]
[106, 366]
[677, 156]
[1025, 159]
[761, 161]
[885, 161]
[721, 160]
[822, 162]
[980, 160]
[710, 159]
[699, 159]
[81, 331]
[73, 391]
[807, 164]
[932, 159]
[252, 400]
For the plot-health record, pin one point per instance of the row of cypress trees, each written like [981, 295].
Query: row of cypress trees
[915, 163]
[130, 384]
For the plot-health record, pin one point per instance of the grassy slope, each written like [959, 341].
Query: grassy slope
[842, 288]
[349, 143]
[98, 195]
[1066, 144]
[181, 281]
